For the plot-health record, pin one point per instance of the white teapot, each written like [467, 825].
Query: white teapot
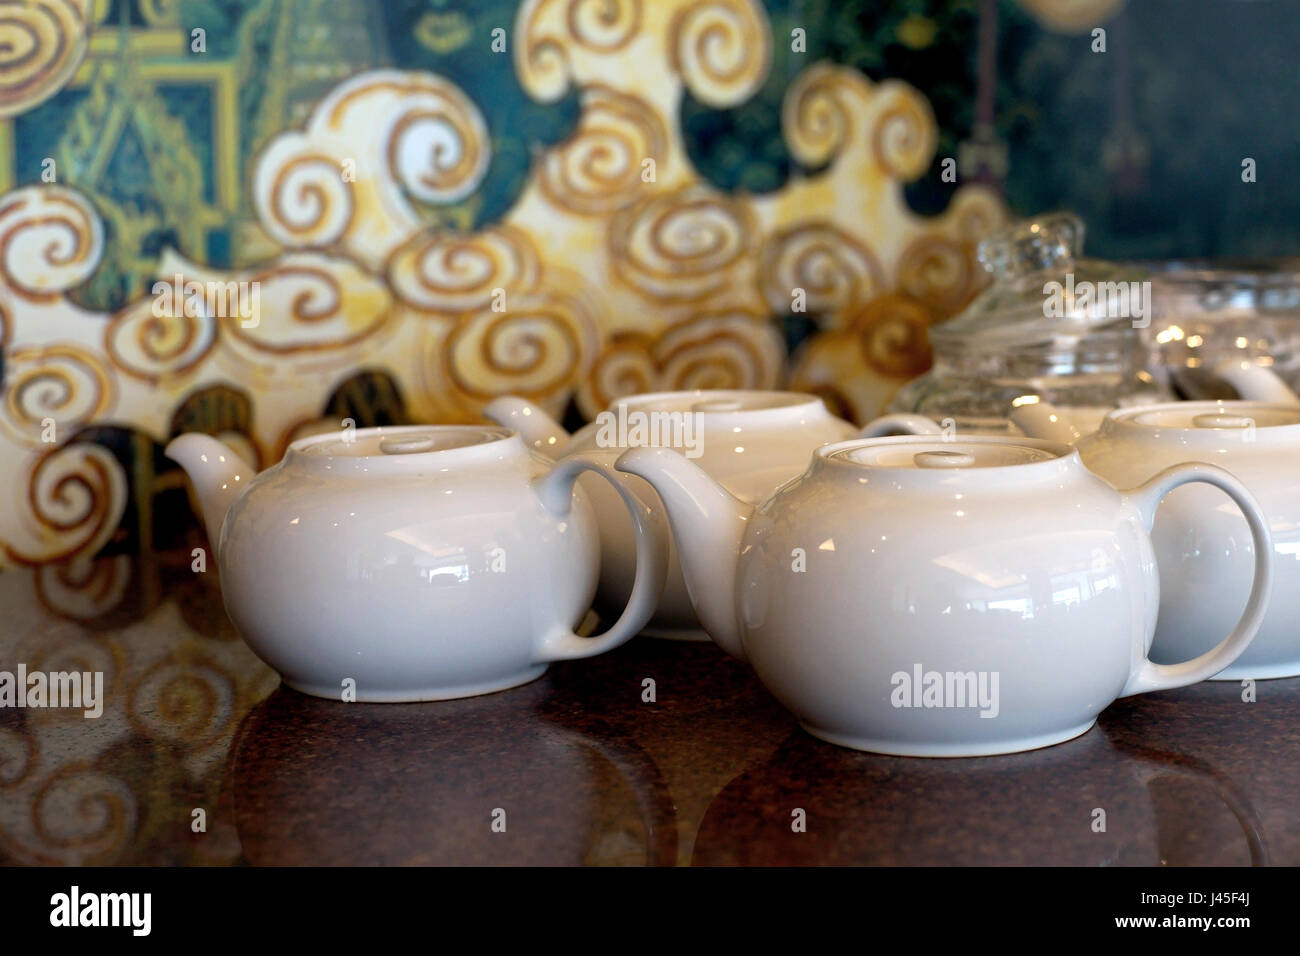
[413, 563]
[1259, 443]
[1037, 418]
[1202, 544]
[749, 441]
[927, 597]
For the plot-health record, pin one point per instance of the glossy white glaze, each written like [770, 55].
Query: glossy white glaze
[1202, 543]
[977, 556]
[421, 563]
[750, 441]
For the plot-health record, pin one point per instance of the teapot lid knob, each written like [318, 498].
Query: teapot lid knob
[1221, 420]
[406, 444]
[943, 459]
[718, 405]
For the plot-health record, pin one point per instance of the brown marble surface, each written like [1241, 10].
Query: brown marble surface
[196, 730]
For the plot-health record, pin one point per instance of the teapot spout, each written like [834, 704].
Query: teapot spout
[1040, 419]
[538, 429]
[217, 474]
[708, 525]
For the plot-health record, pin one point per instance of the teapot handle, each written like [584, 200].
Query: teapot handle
[902, 423]
[555, 490]
[1148, 676]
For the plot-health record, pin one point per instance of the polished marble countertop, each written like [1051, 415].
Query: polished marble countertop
[201, 758]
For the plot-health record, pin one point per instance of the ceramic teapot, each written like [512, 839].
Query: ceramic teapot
[1037, 418]
[925, 597]
[750, 441]
[413, 563]
[1201, 540]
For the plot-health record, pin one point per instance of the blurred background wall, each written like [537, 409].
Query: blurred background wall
[802, 223]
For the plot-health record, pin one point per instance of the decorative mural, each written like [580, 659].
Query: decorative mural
[382, 291]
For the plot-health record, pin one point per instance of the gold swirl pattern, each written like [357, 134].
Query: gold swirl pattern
[938, 272]
[722, 49]
[817, 113]
[626, 366]
[42, 42]
[183, 702]
[371, 145]
[448, 274]
[975, 212]
[152, 347]
[905, 134]
[543, 343]
[682, 246]
[302, 197]
[831, 111]
[320, 304]
[419, 129]
[51, 239]
[75, 499]
[438, 153]
[82, 815]
[892, 334]
[679, 283]
[549, 32]
[599, 169]
[719, 349]
[834, 270]
[732, 349]
[63, 382]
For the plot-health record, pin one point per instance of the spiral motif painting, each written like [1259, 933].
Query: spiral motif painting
[683, 246]
[41, 43]
[618, 268]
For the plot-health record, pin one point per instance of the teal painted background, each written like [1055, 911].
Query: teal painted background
[1204, 83]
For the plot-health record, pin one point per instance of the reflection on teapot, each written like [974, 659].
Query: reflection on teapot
[1038, 418]
[1201, 540]
[414, 563]
[477, 781]
[1015, 585]
[751, 441]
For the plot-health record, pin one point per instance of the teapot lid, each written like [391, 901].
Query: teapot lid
[1042, 291]
[403, 448]
[766, 402]
[944, 457]
[1208, 422]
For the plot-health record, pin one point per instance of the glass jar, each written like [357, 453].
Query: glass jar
[1051, 326]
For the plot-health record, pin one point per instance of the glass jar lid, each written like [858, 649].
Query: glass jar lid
[1043, 291]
